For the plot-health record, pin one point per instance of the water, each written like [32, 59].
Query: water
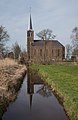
[35, 101]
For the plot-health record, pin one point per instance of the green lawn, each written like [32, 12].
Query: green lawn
[64, 80]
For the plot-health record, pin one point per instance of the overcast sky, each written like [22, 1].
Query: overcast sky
[61, 16]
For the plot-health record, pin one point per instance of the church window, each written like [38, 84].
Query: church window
[40, 52]
[52, 52]
[58, 52]
[63, 56]
[30, 34]
[34, 51]
[46, 52]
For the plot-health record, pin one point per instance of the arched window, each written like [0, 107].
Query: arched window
[34, 51]
[40, 52]
[46, 52]
[58, 52]
[52, 52]
[30, 34]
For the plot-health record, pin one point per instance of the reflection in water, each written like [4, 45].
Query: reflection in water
[34, 102]
[32, 79]
[44, 91]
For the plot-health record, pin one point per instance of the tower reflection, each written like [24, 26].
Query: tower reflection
[34, 79]
[30, 86]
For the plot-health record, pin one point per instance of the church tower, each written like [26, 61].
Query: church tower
[30, 40]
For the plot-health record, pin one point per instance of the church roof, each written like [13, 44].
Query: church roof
[53, 42]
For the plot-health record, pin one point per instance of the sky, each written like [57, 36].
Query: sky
[61, 16]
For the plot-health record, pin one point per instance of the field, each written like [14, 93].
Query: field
[63, 79]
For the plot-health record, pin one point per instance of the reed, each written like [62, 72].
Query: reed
[7, 62]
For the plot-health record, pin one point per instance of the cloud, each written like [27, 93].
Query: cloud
[58, 15]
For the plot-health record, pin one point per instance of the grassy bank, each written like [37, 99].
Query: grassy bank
[64, 81]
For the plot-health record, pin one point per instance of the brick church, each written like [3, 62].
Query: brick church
[37, 53]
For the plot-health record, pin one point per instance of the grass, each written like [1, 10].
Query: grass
[64, 80]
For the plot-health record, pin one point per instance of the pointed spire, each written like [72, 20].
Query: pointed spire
[30, 22]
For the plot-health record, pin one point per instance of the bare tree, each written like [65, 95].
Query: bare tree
[68, 51]
[74, 38]
[16, 49]
[44, 35]
[3, 38]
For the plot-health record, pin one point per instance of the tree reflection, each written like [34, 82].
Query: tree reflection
[44, 91]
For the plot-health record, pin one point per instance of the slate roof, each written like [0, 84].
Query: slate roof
[53, 42]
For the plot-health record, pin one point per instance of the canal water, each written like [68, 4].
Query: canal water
[35, 101]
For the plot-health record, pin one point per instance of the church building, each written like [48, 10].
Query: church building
[40, 51]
